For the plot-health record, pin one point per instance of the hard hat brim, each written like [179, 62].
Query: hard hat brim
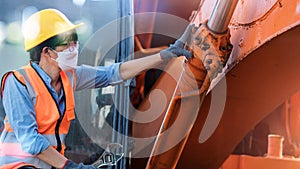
[28, 47]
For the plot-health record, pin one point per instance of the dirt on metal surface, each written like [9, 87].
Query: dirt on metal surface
[260, 75]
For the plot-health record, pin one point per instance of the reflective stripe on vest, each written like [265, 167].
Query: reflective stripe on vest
[13, 149]
[16, 165]
[51, 124]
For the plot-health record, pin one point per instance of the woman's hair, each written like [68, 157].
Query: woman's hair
[58, 40]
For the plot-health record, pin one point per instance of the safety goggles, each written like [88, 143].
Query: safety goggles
[72, 45]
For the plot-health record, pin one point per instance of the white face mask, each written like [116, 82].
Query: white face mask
[67, 59]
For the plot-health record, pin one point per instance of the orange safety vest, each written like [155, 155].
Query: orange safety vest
[48, 119]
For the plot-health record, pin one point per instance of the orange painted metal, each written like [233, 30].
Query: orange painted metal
[284, 121]
[140, 7]
[292, 123]
[211, 52]
[260, 75]
[250, 162]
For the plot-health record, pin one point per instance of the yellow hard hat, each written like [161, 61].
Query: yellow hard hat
[43, 25]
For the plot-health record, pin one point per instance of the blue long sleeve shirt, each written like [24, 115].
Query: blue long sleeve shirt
[20, 109]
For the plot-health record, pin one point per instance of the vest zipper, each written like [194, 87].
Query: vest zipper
[59, 146]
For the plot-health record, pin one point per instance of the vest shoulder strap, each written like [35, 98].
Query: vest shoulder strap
[19, 74]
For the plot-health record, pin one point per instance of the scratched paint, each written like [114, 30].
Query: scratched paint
[249, 11]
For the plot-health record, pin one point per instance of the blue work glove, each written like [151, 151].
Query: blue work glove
[177, 49]
[70, 164]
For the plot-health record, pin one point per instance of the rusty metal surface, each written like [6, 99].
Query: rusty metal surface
[261, 73]
[279, 17]
[255, 23]
[259, 77]
[254, 89]
[211, 52]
